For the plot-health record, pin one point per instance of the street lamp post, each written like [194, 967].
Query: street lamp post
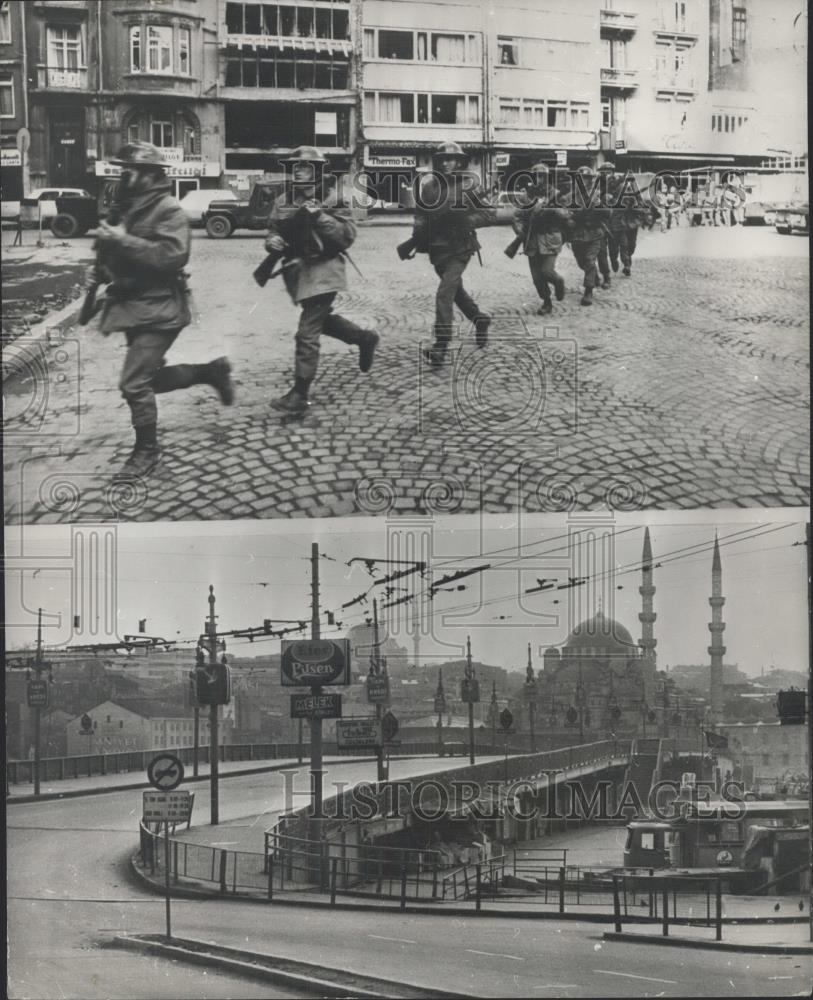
[470, 693]
[440, 708]
[493, 713]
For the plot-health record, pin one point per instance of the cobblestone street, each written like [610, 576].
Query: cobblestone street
[685, 386]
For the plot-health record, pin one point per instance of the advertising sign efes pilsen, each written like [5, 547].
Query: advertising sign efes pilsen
[406, 454]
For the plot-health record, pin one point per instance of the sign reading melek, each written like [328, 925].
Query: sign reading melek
[316, 706]
[307, 662]
[364, 731]
[37, 694]
[172, 807]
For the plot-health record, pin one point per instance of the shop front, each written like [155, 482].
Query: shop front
[185, 175]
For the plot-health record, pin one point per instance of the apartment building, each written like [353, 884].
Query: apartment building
[422, 82]
[13, 99]
[286, 79]
[113, 728]
[542, 84]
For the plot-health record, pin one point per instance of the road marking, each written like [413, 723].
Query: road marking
[558, 986]
[495, 954]
[771, 978]
[630, 975]
[382, 937]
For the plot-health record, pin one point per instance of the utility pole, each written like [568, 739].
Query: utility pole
[580, 702]
[470, 677]
[195, 738]
[531, 687]
[493, 712]
[440, 707]
[809, 734]
[316, 723]
[379, 708]
[214, 749]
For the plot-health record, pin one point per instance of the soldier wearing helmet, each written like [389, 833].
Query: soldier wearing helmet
[543, 228]
[311, 230]
[589, 229]
[142, 248]
[449, 207]
[627, 213]
[605, 172]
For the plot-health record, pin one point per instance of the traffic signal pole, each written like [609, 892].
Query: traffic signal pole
[37, 720]
[316, 723]
[214, 750]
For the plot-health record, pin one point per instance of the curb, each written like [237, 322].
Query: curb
[678, 942]
[298, 974]
[242, 773]
[63, 319]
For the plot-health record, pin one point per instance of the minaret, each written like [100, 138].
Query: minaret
[647, 619]
[416, 634]
[716, 627]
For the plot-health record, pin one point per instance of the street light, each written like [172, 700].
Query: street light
[492, 712]
[530, 692]
[440, 708]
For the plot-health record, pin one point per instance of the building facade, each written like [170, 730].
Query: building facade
[13, 100]
[228, 88]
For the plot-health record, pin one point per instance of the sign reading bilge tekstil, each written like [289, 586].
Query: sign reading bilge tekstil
[362, 731]
[309, 662]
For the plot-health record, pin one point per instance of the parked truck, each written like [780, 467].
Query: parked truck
[223, 217]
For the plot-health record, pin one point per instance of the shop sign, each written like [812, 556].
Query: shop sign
[10, 158]
[502, 159]
[196, 168]
[383, 161]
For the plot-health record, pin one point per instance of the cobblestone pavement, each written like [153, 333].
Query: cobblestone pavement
[685, 386]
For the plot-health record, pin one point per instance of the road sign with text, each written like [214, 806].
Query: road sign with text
[167, 807]
[316, 706]
[165, 772]
[37, 694]
[378, 689]
[364, 731]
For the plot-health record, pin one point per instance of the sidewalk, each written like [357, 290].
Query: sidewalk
[764, 939]
[101, 783]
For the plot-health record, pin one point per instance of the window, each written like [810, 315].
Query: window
[738, 33]
[579, 115]
[606, 113]
[64, 48]
[395, 45]
[184, 46]
[448, 109]
[730, 831]
[448, 48]
[159, 48]
[557, 115]
[647, 841]
[423, 108]
[5, 22]
[162, 133]
[6, 97]
[508, 51]
[135, 50]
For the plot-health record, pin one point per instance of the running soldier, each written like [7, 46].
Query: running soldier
[450, 206]
[589, 217]
[142, 256]
[310, 229]
[543, 229]
[627, 215]
[605, 173]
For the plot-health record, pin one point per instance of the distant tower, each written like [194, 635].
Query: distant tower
[647, 619]
[716, 627]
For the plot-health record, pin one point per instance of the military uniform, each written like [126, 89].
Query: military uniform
[148, 299]
[448, 210]
[624, 222]
[605, 171]
[589, 218]
[316, 229]
[544, 229]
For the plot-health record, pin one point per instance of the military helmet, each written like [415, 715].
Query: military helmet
[305, 154]
[585, 171]
[447, 150]
[540, 168]
[139, 154]
[607, 166]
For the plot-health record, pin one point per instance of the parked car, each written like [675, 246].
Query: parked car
[47, 197]
[195, 203]
[792, 217]
[225, 215]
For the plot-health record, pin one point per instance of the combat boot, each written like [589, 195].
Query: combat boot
[435, 355]
[545, 309]
[627, 272]
[481, 325]
[144, 457]
[367, 345]
[218, 375]
[295, 401]
[614, 265]
[606, 282]
[559, 287]
[587, 298]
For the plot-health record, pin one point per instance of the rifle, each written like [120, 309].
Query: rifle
[262, 273]
[407, 249]
[90, 304]
[513, 247]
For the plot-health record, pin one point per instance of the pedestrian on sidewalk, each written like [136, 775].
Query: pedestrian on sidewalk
[450, 206]
[311, 229]
[589, 218]
[143, 257]
[543, 228]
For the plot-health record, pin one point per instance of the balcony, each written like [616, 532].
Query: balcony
[618, 22]
[305, 43]
[51, 78]
[677, 27]
[619, 79]
[676, 85]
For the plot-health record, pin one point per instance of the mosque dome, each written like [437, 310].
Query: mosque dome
[599, 637]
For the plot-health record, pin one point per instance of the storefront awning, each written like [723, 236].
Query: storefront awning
[187, 168]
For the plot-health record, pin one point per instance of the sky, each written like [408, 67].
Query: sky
[262, 570]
